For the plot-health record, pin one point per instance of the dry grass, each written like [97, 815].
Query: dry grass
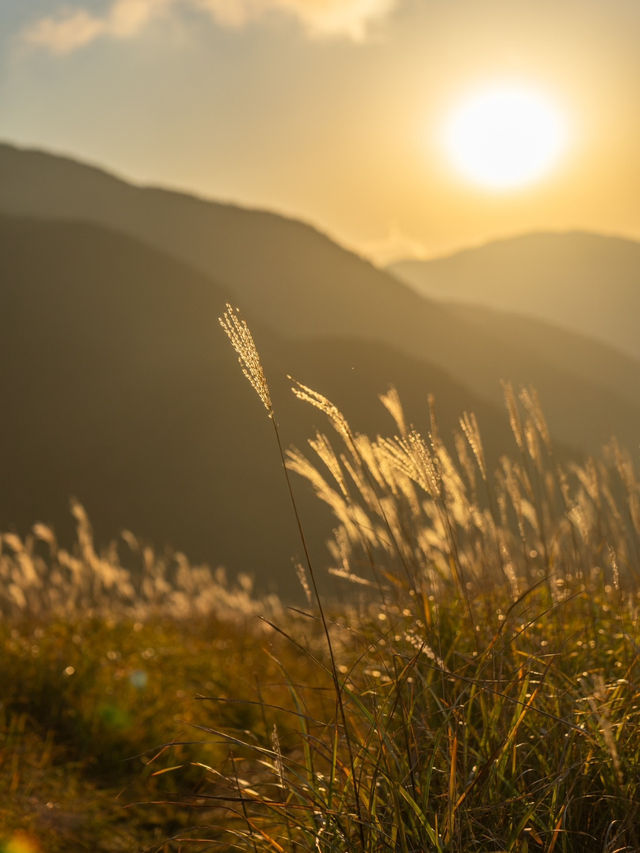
[488, 694]
[127, 579]
[476, 688]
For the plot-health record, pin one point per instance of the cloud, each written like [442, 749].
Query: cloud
[65, 33]
[350, 18]
[73, 28]
[395, 244]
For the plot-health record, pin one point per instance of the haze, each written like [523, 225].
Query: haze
[331, 112]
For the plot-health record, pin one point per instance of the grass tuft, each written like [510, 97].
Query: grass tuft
[475, 687]
[479, 687]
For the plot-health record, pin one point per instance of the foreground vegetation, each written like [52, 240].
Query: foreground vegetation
[475, 688]
[96, 681]
[486, 692]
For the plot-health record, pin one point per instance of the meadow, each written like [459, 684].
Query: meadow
[474, 687]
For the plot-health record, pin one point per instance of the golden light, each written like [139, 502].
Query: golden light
[505, 136]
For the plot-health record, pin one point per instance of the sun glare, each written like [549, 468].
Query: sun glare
[504, 137]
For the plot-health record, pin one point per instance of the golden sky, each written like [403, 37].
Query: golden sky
[333, 110]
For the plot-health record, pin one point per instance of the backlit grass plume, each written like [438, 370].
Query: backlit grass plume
[242, 341]
[479, 689]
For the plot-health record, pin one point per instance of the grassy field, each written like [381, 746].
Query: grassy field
[88, 705]
[476, 688]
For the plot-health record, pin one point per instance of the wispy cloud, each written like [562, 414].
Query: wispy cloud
[73, 28]
[350, 18]
[64, 33]
[395, 244]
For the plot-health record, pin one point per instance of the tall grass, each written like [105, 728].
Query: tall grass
[477, 688]
[127, 579]
[102, 652]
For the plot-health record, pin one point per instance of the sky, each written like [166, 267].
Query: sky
[333, 111]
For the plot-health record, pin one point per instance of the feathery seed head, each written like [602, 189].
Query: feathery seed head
[514, 415]
[391, 402]
[242, 341]
[320, 444]
[469, 426]
[308, 395]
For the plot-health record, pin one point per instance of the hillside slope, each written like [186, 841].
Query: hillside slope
[302, 284]
[585, 282]
[120, 388]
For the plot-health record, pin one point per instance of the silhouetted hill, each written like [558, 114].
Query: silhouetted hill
[120, 388]
[302, 284]
[585, 282]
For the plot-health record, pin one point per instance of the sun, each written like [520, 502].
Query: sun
[504, 137]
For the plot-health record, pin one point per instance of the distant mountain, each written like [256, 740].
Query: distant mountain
[584, 282]
[119, 387]
[289, 276]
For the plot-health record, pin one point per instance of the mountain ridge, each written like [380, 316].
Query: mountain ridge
[582, 280]
[534, 233]
[296, 280]
[120, 389]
